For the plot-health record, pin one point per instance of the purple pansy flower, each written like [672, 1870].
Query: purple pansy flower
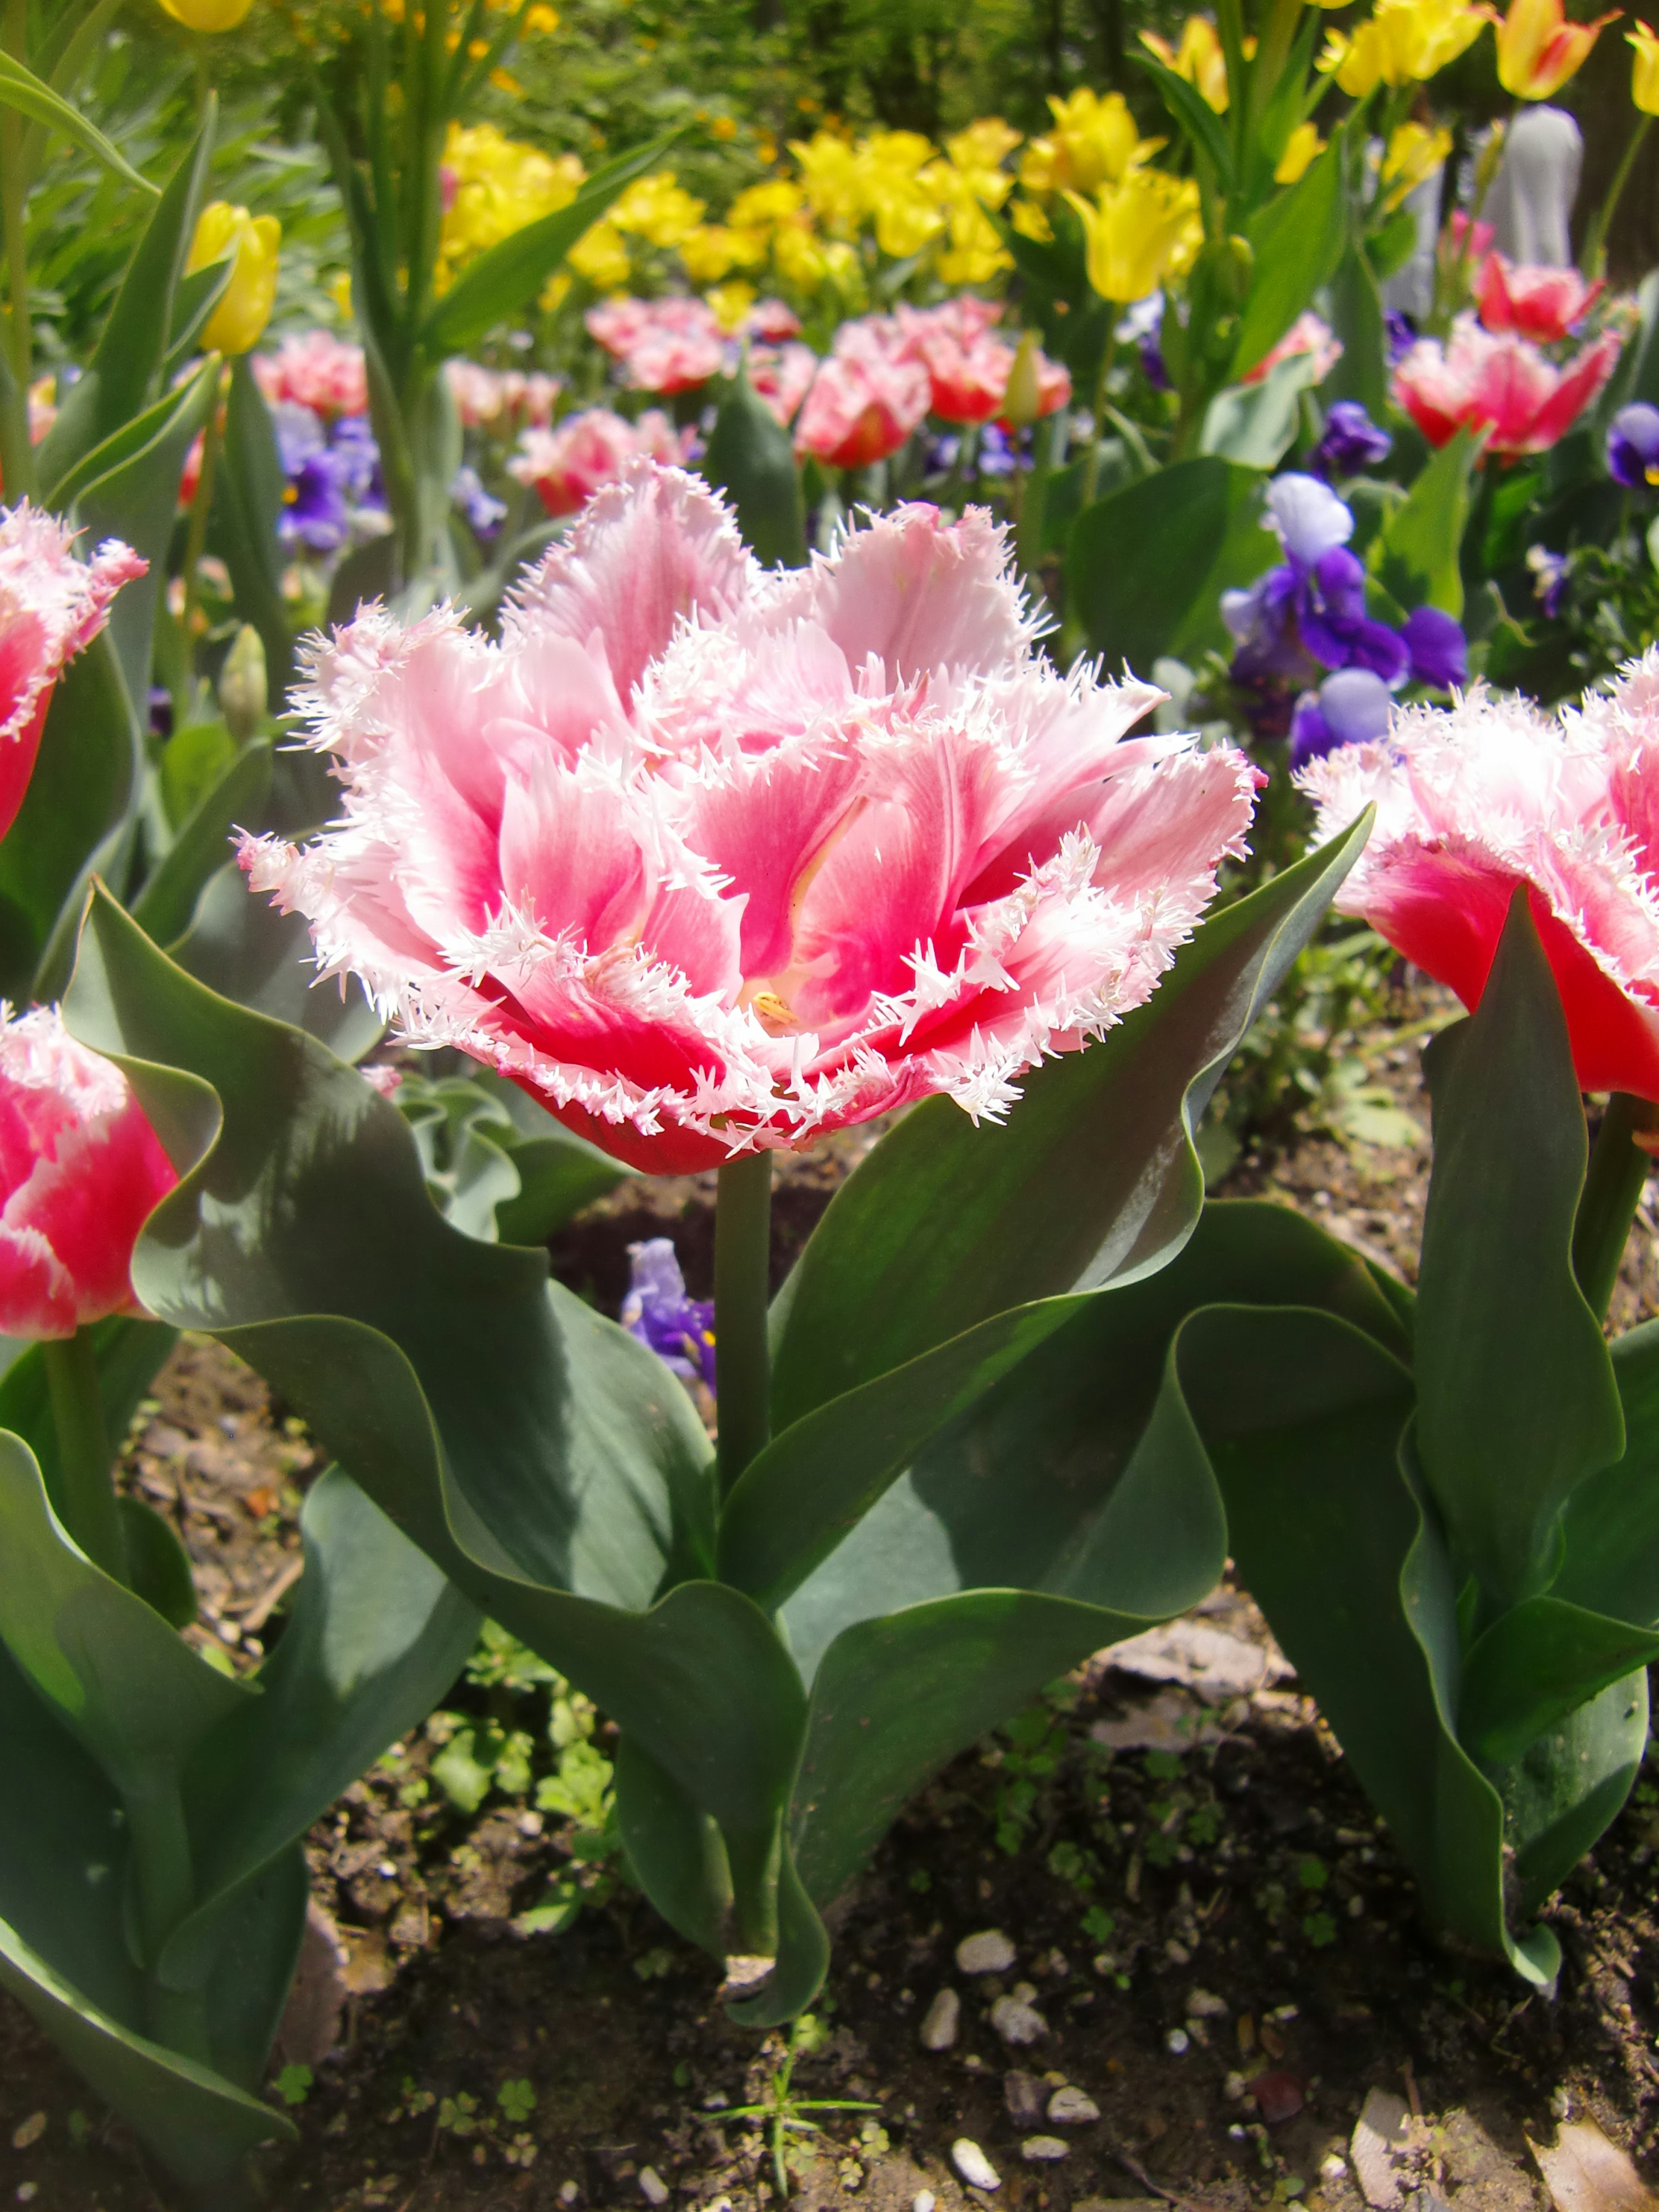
[679, 1329]
[1349, 707]
[1438, 648]
[1143, 328]
[331, 479]
[484, 513]
[1351, 442]
[1399, 336]
[1549, 579]
[1633, 445]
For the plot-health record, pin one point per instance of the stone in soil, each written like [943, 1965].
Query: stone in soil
[1025, 2096]
[989, 1951]
[1043, 2150]
[1278, 2097]
[1017, 2022]
[1073, 2108]
[938, 2027]
[971, 2163]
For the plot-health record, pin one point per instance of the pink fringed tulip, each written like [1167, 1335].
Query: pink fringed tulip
[317, 371]
[1308, 334]
[80, 1170]
[866, 398]
[710, 860]
[1502, 383]
[1493, 793]
[666, 345]
[1542, 303]
[51, 606]
[569, 464]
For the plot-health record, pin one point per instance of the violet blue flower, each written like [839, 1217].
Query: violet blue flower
[679, 1329]
[1330, 613]
[329, 479]
[1549, 579]
[484, 513]
[1399, 336]
[1351, 442]
[1143, 328]
[1308, 517]
[1263, 620]
[1350, 706]
[1438, 648]
[1633, 445]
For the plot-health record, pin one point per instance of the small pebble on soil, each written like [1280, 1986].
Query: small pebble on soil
[938, 2027]
[1073, 2108]
[1042, 2150]
[971, 2163]
[989, 1951]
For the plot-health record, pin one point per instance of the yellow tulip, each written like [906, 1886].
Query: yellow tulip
[763, 205]
[981, 148]
[1094, 142]
[658, 210]
[1029, 219]
[1538, 49]
[600, 256]
[731, 302]
[497, 185]
[1301, 149]
[208, 15]
[1403, 41]
[1199, 58]
[1644, 70]
[1137, 231]
[250, 243]
[1413, 156]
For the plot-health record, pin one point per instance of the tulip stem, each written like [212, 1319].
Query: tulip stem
[196, 537]
[164, 1889]
[1593, 260]
[16, 449]
[743, 1244]
[90, 1512]
[1097, 411]
[1613, 1189]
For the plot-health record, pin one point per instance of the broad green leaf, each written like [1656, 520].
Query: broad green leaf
[1414, 556]
[193, 759]
[124, 373]
[1253, 424]
[242, 948]
[1094, 1176]
[247, 505]
[1536, 1666]
[1518, 1400]
[129, 1353]
[164, 907]
[750, 457]
[197, 296]
[1146, 566]
[1189, 108]
[24, 92]
[1298, 239]
[506, 276]
[158, 1566]
[1610, 1526]
[1568, 1785]
[1362, 372]
[674, 1848]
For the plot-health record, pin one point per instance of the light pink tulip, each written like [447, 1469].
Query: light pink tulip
[569, 463]
[866, 398]
[1542, 303]
[967, 367]
[782, 376]
[771, 322]
[1493, 793]
[709, 859]
[317, 371]
[488, 399]
[51, 607]
[1310, 334]
[1501, 384]
[666, 345]
[80, 1170]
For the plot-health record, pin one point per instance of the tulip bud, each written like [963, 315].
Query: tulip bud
[238, 323]
[1644, 70]
[208, 15]
[242, 684]
[1023, 400]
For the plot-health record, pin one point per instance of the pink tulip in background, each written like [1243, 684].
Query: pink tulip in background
[1542, 303]
[866, 398]
[771, 322]
[569, 464]
[1309, 334]
[968, 367]
[51, 607]
[665, 345]
[1500, 383]
[81, 1169]
[1473, 802]
[710, 860]
[782, 375]
[317, 371]
[493, 398]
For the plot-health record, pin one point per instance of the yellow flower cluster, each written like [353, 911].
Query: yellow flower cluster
[1139, 232]
[1094, 142]
[494, 186]
[1199, 58]
[1414, 153]
[1140, 224]
[1403, 41]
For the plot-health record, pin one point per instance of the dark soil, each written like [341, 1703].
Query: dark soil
[1213, 1937]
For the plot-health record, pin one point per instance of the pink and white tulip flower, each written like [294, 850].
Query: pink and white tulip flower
[51, 607]
[782, 376]
[711, 860]
[317, 371]
[1542, 303]
[968, 367]
[665, 345]
[569, 463]
[80, 1170]
[1500, 383]
[866, 398]
[1491, 794]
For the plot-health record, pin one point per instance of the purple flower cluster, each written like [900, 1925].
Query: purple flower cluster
[334, 477]
[1308, 616]
[1351, 442]
[1633, 445]
[679, 1329]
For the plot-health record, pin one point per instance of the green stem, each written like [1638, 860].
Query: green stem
[1271, 57]
[165, 1889]
[1594, 258]
[16, 448]
[90, 1512]
[742, 1233]
[1097, 410]
[196, 537]
[1613, 1189]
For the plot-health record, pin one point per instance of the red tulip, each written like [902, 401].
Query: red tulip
[1501, 384]
[1541, 303]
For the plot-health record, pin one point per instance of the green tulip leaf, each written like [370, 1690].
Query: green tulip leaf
[1298, 239]
[1415, 555]
[243, 949]
[158, 1566]
[165, 906]
[750, 459]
